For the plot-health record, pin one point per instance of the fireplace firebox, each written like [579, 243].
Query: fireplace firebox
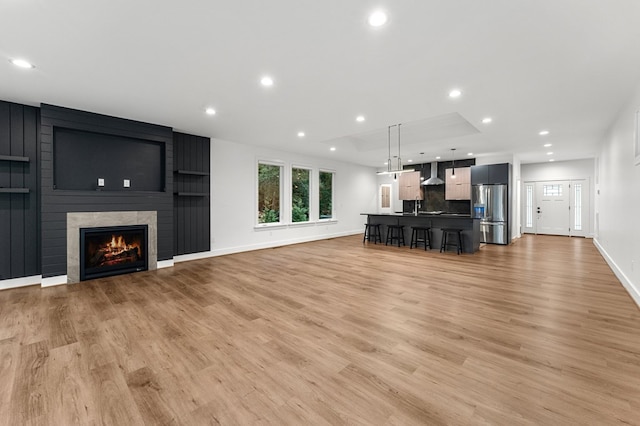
[112, 250]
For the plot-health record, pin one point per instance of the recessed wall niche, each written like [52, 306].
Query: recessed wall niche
[82, 157]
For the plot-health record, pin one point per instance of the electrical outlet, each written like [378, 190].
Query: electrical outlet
[100, 181]
[126, 183]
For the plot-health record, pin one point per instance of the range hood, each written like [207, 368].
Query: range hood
[434, 179]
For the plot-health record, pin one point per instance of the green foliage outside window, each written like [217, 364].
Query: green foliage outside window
[300, 195]
[326, 195]
[269, 193]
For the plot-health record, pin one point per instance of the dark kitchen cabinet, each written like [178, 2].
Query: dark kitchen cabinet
[499, 173]
[490, 174]
[479, 174]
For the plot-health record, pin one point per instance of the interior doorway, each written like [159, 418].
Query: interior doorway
[558, 207]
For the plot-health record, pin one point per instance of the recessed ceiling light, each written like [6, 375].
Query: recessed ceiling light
[210, 111]
[469, 153]
[409, 161]
[385, 163]
[22, 63]
[487, 120]
[437, 158]
[544, 133]
[552, 160]
[547, 145]
[333, 148]
[378, 18]
[360, 118]
[301, 134]
[455, 93]
[549, 153]
[266, 81]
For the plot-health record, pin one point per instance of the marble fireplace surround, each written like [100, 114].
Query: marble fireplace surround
[75, 221]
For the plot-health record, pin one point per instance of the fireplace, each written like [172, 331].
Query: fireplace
[113, 250]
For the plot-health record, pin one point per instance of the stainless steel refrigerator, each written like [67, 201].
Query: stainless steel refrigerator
[490, 204]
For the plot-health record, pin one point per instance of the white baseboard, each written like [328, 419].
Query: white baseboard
[51, 281]
[270, 244]
[632, 289]
[165, 263]
[20, 282]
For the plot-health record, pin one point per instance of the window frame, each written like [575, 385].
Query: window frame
[333, 217]
[282, 182]
[309, 169]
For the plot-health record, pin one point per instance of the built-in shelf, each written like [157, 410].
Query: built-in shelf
[192, 172]
[14, 158]
[192, 194]
[14, 190]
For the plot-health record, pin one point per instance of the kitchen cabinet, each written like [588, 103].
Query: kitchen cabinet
[409, 187]
[458, 188]
[499, 173]
[480, 174]
[491, 174]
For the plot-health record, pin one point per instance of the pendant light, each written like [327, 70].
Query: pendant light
[453, 163]
[399, 169]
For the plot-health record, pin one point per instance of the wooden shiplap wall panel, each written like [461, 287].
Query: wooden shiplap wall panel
[192, 214]
[56, 203]
[19, 215]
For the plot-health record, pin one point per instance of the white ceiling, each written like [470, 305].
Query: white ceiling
[567, 66]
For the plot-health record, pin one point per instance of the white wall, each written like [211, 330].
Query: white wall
[558, 170]
[565, 170]
[233, 199]
[617, 200]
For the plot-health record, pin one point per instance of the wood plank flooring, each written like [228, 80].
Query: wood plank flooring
[328, 333]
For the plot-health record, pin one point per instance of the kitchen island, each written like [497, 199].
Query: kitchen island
[470, 226]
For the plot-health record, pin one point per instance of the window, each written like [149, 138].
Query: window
[529, 206]
[300, 194]
[325, 189]
[552, 190]
[578, 207]
[269, 192]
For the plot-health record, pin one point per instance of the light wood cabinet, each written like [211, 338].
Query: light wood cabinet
[409, 186]
[458, 188]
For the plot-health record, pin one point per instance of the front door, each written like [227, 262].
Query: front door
[552, 208]
[556, 207]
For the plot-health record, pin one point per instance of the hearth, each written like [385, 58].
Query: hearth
[112, 250]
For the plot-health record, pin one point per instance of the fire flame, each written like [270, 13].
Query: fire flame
[119, 245]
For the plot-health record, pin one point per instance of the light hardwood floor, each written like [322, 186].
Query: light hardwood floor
[331, 332]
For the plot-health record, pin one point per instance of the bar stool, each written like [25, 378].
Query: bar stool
[372, 230]
[457, 242]
[420, 234]
[395, 232]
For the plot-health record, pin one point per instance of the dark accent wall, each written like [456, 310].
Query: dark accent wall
[192, 202]
[434, 195]
[80, 158]
[19, 219]
[55, 203]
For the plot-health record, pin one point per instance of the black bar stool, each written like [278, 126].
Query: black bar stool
[395, 233]
[420, 234]
[372, 230]
[457, 241]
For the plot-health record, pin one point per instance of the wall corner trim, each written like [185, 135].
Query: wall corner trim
[632, 289]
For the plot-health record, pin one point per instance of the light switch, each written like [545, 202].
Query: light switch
[100, 181]
[127, 183]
